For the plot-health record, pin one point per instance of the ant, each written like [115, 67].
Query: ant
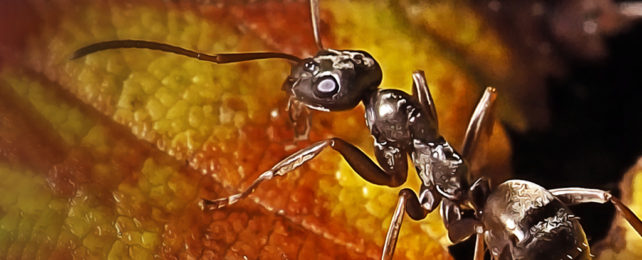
[517, 220]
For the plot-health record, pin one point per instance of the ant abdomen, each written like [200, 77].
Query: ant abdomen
[521, 220]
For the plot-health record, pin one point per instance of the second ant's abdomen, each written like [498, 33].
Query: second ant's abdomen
[522, 220]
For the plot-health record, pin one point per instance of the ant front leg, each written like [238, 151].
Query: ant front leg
[417, 209]
[359, 162]
[572, 196]
[300, 117]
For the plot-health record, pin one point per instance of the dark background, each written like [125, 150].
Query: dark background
[596, 127]
[595, 132]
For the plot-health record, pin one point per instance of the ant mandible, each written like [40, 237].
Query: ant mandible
[517, 220]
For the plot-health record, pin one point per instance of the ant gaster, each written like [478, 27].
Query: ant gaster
[517, 220]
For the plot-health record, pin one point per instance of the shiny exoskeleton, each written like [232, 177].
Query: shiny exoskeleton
[526, 221]
[517, 220]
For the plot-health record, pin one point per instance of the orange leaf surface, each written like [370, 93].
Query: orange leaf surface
[107, 156]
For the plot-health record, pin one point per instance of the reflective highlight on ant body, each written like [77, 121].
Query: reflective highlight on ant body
[516, 220]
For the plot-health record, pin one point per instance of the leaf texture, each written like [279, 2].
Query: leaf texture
[107, 156]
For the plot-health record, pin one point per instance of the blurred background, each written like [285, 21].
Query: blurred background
[591, 133]
[108, 155]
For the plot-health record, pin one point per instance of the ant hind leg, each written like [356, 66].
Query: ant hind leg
[572, 196]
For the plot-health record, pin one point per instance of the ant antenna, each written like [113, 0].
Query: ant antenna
[314, 15]
[216, 58]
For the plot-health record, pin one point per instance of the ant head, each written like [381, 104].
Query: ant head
[333, 80]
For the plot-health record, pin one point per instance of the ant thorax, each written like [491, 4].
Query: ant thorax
[440, 165]
[398, 122]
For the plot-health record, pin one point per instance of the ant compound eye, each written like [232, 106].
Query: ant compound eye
[310, 66]
[326, 87]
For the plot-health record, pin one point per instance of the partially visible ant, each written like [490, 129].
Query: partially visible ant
[517, 220]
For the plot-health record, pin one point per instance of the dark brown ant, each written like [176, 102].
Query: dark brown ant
[517, 220]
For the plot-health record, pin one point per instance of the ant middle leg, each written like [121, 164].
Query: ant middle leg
[480, 126]
[421, 91]
[416, 207]
[359, 162]
[572, 196]
[478, 132]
